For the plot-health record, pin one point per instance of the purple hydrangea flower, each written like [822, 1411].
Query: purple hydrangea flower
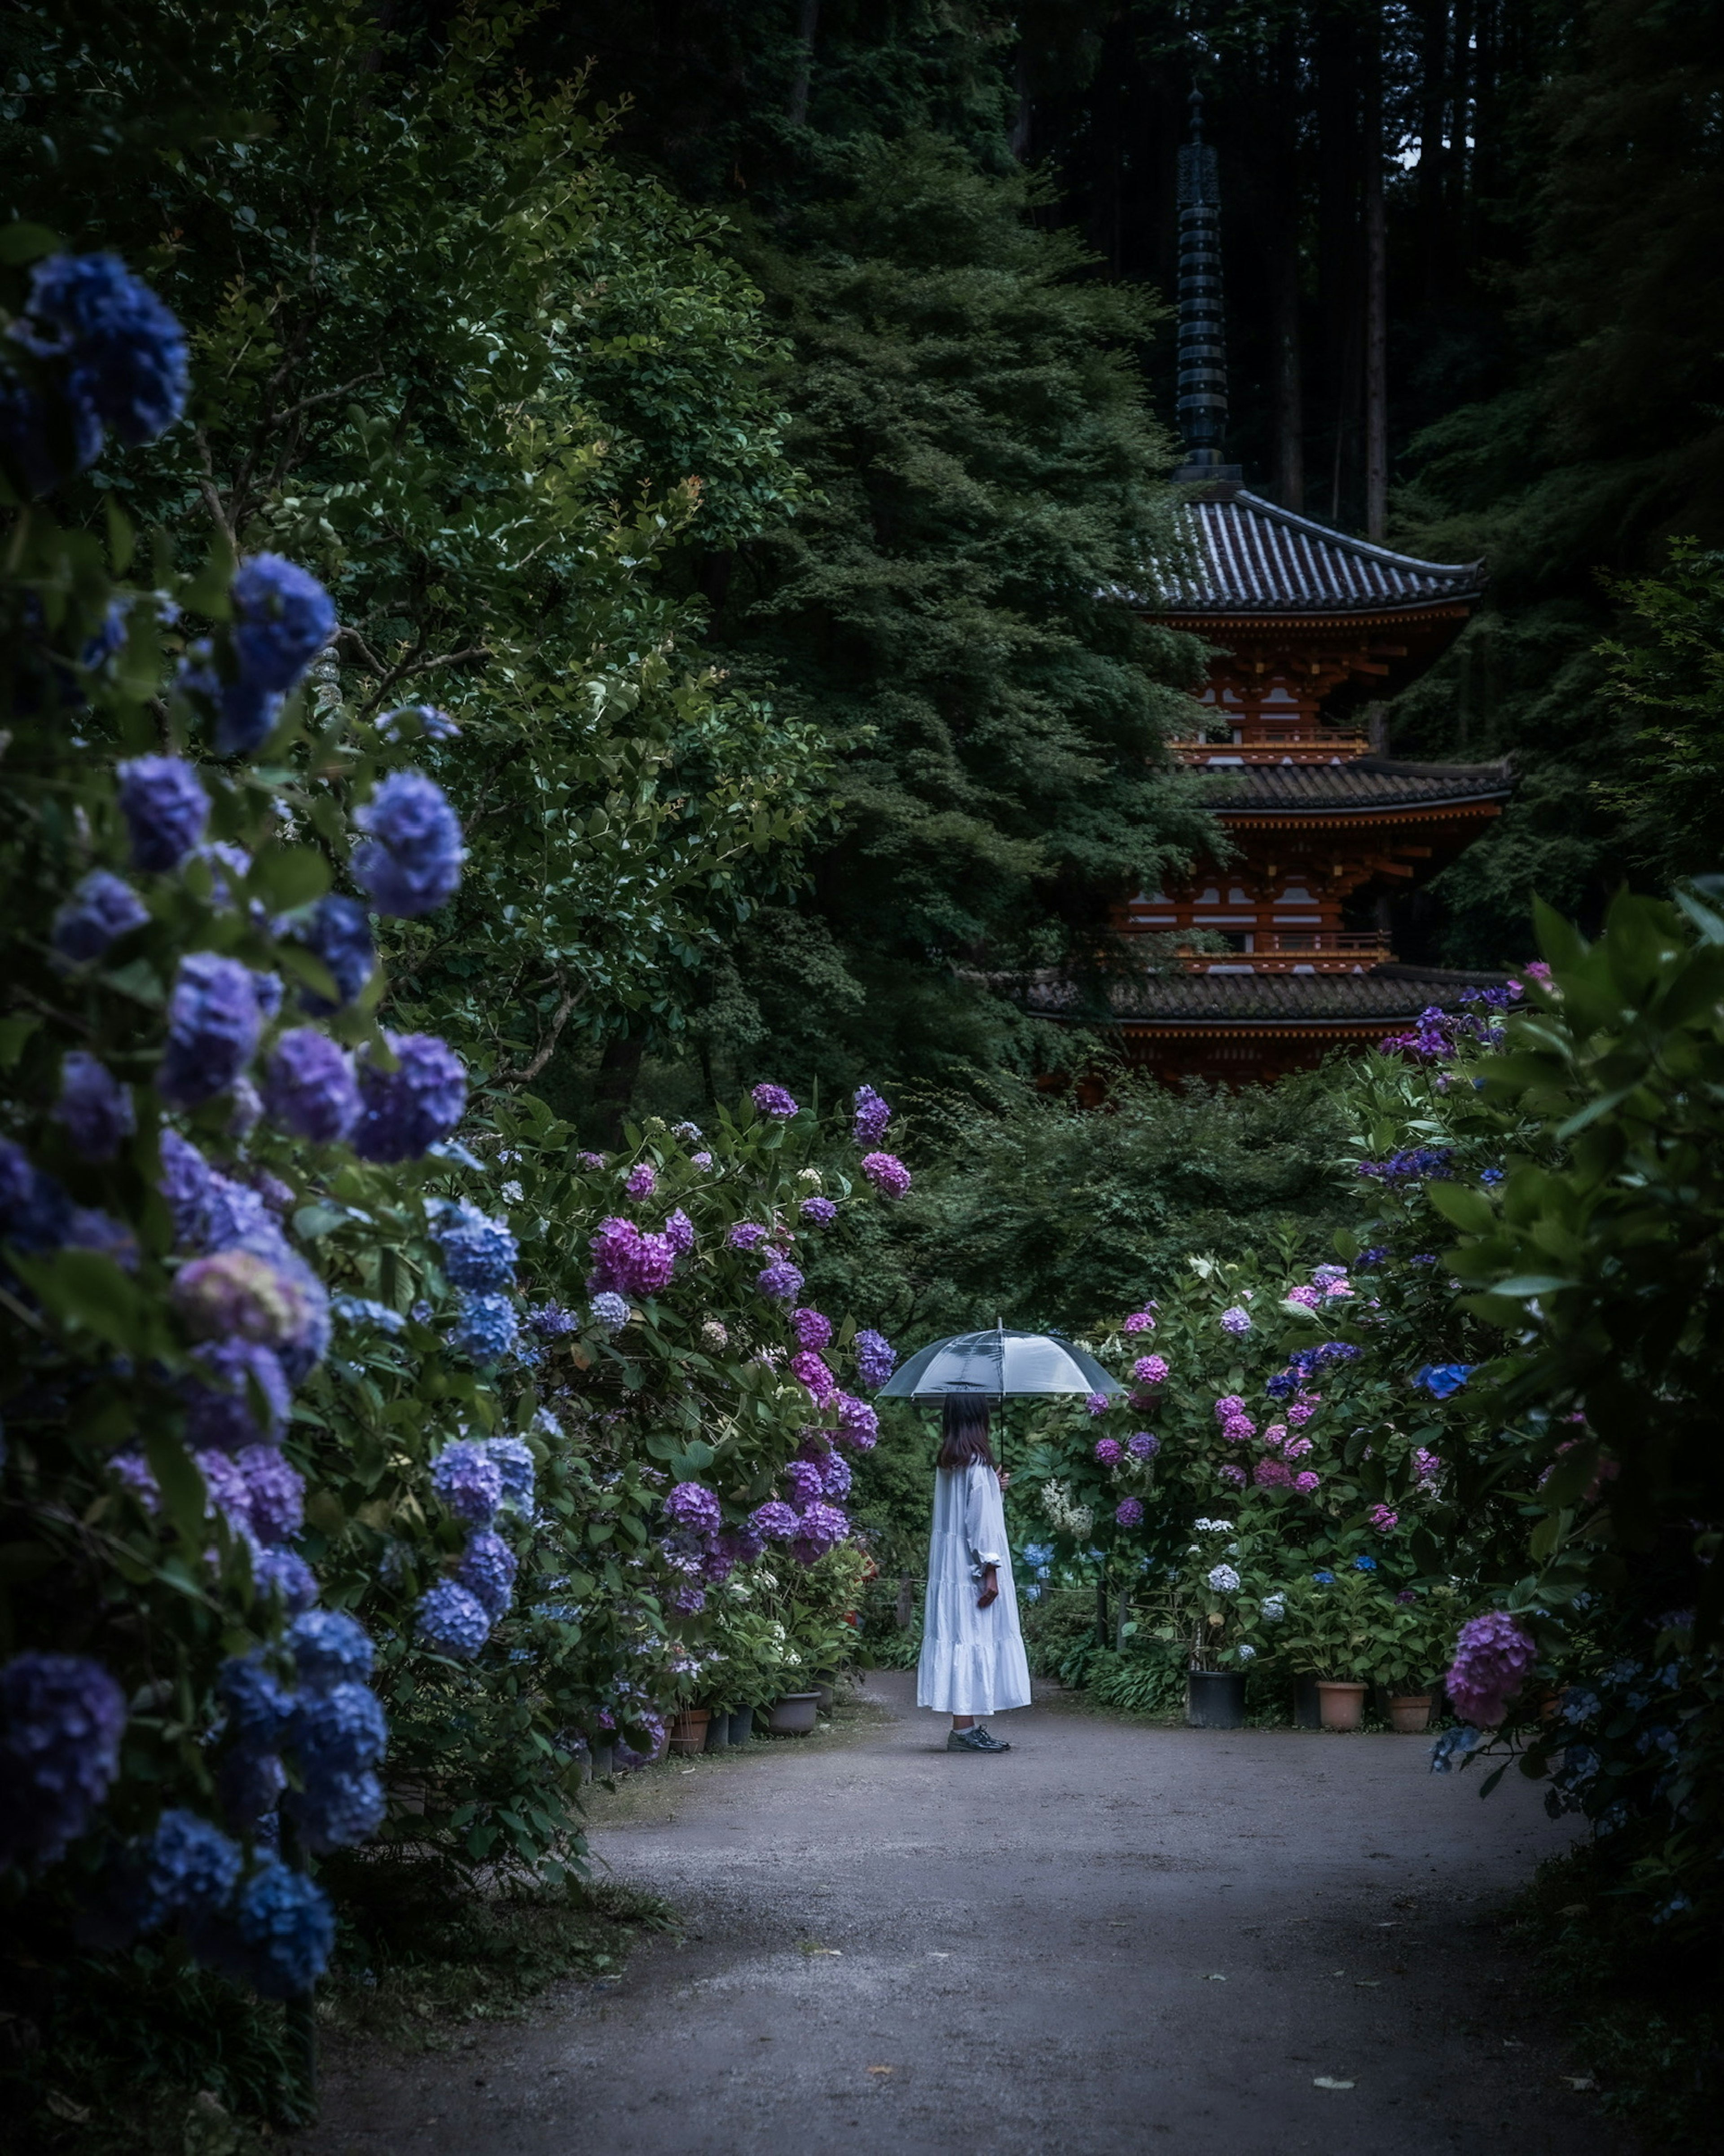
[186, 1180]
[1097, 1403]
[551, 1321]
[487, 1571]
[240, 1295]
[469, 1481]
[1143, 1445]
[1234, 1477]
[1109, 1451]
[887, 1173]
[477, 1252]
[869, 1122]
[1129, 1512]
[1150, 1370]
[642, 1180]
[692, 1505]
[780, 1281]
[101, 909]
[329, 1648]
[61, 1719]
[818, 1212]
[236, 1395]
[1141, 1320]
[810, 1369]
[876, 1358]
[835, 1476]
[94, 1107]
[746, 1235]
[308, 1087]
[338, 933]
[120, 353]
[689, 1601]
[410, 861]
[819, 1528]
[1493, 1658]
[412, 1106]
[678, 1231]
[626, 1262]
[165, 806]
[35, 1212]
[214, 1023]
[858, 1425]
[451, 1622]
[774, 1101]
[275, 1492]
[813, 1328]
[591, 1160]
[774, 1522]
[1236, 1320]
[805, 1482]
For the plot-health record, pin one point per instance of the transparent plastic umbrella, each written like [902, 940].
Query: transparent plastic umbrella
[1005, 1365]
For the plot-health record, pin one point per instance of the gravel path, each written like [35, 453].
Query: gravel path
[1115, 1938]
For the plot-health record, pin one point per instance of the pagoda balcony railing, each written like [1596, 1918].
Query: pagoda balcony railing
[1294, 950]
[1254, 744]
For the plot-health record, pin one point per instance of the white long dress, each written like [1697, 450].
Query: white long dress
[971, 1660]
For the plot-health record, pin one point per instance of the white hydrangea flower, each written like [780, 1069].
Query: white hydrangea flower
[1248, 1654]
[1224, 1579]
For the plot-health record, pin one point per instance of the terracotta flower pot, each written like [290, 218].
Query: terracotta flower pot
[1343, 1704]
[794, 1714]
[1410, 1712]
[688, 1730]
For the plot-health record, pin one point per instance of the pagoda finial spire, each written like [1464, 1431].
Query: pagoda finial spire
[1202, 351]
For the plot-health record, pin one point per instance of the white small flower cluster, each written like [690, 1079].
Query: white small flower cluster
[1212, 1527]
[1076, 1520]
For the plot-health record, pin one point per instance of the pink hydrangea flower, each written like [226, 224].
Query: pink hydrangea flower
[1229, 1404]
[641, 1182]
[1295, 1448]
[1338, 1287]
[1272, 1474]
[1150, 1370]
[1428, 1466]
[1307, 1297]
[1140, 1321]
[1275, 1434]
[1383, 1519]
[1307, 1482]
[1301, 1411]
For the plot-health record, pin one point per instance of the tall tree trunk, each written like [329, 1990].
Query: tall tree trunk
[806, 30]
[618, 1068]
[1432, 105]
[1287, 370]
[1338, 264]
[1375, 291]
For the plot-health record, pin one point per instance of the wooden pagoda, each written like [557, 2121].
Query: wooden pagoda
[1311, 629]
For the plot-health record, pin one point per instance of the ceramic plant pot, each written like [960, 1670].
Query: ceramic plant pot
[794, 1714]
[1215, 1699]
[688, 1731]
[718, 1730]
[741, 1730]
[1410, 1712]
[1343, 1704]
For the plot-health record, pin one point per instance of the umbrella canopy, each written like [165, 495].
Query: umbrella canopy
[1006, 1365]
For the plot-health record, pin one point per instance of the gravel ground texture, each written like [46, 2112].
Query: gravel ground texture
[1113, 1937]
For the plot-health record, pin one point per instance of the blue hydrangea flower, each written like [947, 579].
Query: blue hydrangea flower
[424, 719]
[469, 1481]
[410, 862]
[191, 1868]
[409, 1108]
[876, 1358]
[477, 1252]
[338, 931]
[101, 909]
[279, 1935]
[1442, 1380]
[214, 1024]
[165, 806]
[308, 1087]
[124, 354]
[487, 1571]
[259, 1709]
[245, 711]
[61, 1719]
[329, 1648]
[339, 1730]
[1324, 1578]
[513, 1461]
[486, 1326]
[95, 1109]
[551, 1321]
[284, 1573]
[1364, 1565]
[250, 1782]
[609, 1310]
[24, 437]
[282, 618]
[451, 1622]
[238, 1395]
[337, 1810]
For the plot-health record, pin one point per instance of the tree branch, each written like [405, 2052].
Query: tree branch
[547, 1045]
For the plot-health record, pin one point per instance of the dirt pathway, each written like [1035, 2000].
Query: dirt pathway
[1114, 1938]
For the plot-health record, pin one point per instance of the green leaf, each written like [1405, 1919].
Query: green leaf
[183, 1495]
[21, 243]
[1526, 1284]
[83, 1288]
[287, 876]
[14, 1032]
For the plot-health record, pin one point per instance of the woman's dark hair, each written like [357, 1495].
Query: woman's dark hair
[963, 1431]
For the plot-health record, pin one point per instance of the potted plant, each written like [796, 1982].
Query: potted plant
[1416, 1628]
[1330, 1636]
[1215, 1604]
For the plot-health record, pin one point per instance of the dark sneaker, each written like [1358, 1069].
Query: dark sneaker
[975, 1740]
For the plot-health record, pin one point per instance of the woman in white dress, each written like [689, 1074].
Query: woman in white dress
[972, 1659]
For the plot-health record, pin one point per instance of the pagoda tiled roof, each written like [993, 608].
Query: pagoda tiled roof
[1250, 556]
[1367, 782]
[1385, 994]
